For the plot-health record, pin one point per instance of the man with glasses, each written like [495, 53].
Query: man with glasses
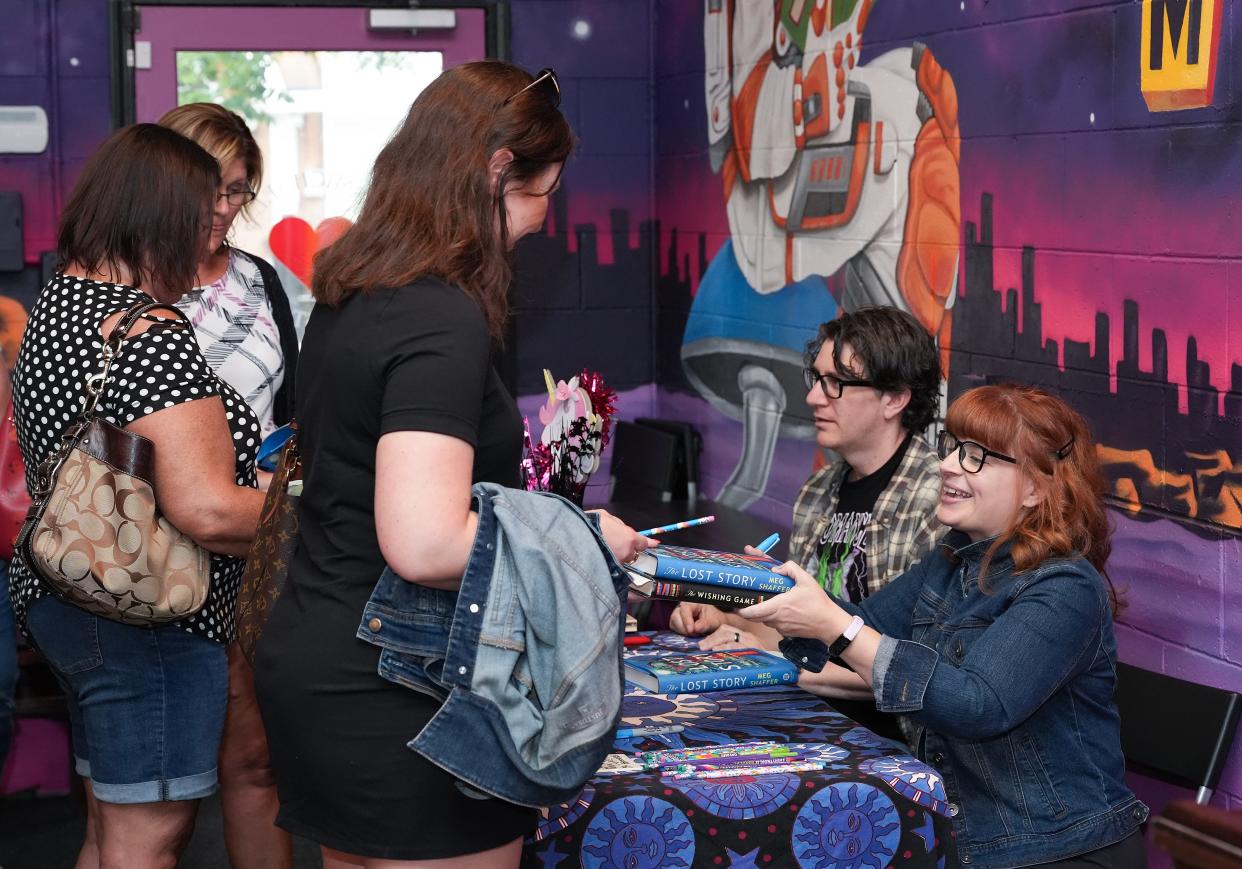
[873, 385]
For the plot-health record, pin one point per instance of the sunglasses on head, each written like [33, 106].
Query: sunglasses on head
[545, 82]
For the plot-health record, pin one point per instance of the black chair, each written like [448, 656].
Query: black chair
[1176, 731]
[686, 474]
[644, 461]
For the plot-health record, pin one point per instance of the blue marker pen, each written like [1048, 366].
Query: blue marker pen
[770, 541]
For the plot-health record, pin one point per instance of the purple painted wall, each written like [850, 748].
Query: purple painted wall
[54, 54]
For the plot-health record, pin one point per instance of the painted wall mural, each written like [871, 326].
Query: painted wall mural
[841, 186]
[1178, 54]
[1091, 247]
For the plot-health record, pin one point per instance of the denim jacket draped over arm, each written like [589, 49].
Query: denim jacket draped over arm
[526, 655]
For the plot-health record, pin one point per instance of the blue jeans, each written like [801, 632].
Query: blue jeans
[146, 704]
[8, 664]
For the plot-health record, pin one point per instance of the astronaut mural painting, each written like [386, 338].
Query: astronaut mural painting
[841, 183]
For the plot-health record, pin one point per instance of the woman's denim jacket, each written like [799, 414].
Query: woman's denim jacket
[526, 655]
[1010, 696]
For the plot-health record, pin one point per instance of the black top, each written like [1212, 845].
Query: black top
[155, 370]
[842, 549]
[417, 358]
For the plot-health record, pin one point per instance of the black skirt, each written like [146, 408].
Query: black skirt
[345, 777]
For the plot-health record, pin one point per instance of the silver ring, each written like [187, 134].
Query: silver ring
[737, 636]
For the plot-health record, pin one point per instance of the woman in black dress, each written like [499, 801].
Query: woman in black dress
[401, 412]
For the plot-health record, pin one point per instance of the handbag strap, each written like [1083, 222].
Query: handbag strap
[96, 383]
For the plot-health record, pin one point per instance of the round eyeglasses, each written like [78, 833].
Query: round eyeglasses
[237, 198]
[970, 455]
[832, 385]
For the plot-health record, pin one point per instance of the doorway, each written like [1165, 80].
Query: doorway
[322, 87]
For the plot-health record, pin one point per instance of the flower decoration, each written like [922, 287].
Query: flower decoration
[577, 423]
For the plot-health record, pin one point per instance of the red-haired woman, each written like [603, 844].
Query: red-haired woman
[401, 411]
[999, 647]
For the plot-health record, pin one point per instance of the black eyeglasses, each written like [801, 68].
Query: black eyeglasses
[238, 198]
[546, 82]
[970, 455]
[832, 385]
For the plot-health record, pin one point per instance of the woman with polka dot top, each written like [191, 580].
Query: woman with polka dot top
[146, 704]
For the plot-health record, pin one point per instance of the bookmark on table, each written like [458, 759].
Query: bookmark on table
[650, 730]
[687, 755]
[695, 772]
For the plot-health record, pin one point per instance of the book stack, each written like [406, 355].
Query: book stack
[699, 672]
[728, 580]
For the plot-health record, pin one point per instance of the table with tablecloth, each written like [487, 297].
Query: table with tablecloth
[871, 806]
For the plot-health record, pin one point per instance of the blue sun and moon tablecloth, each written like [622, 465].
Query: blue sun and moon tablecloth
[872, 806]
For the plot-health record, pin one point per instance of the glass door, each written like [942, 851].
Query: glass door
[322, 92]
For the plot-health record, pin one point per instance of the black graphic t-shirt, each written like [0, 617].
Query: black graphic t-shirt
[841, 552]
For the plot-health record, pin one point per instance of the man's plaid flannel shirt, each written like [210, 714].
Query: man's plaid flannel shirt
[903, 524]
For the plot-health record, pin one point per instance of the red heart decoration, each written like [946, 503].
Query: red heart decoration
[292, 241]
[295, 243]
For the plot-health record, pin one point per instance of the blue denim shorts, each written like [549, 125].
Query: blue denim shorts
[146, 704]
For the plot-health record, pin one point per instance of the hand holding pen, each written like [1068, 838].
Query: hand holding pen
[624, 541]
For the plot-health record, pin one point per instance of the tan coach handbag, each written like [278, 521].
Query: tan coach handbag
[94, 533]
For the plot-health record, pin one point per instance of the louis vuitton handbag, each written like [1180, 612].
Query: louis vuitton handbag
[94, 533]
[267, 563]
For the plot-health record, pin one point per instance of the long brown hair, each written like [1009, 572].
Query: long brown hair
[222, 134]
[1056, 452]
[431, 209]
[143, 201]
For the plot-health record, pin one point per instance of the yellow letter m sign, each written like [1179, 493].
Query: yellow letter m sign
[1178, 57]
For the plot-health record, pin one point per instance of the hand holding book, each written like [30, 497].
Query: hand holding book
[802, 611]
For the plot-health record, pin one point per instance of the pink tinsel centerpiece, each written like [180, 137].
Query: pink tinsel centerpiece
[577, 422]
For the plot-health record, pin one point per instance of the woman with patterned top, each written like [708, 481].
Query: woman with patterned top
[146, 704]
[240, 312]
[243, 324]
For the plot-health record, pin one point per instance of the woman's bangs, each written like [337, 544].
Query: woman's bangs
[986, 416]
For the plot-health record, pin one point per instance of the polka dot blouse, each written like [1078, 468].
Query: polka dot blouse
[155, 370]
